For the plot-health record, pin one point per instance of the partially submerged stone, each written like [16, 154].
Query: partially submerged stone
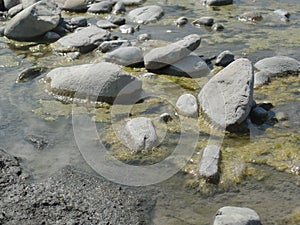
[146, 14]
[204, 21]
[217, 2]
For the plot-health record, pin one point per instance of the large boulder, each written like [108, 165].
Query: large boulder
[227, 98]
[73, 5]
[102, 81]
[84, 40]
[146, 14]
[236, 216]
[278, 66]
[160, 57]
[139, 134]
[33, 21]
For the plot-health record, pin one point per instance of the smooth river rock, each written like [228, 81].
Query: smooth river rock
[33, 21]
[146, 14]
[100, 7]
[236, 216]
[278, 66]
[187, 105]
[217, 2]
[139, 134]
[73, 5]
[227, 97]
[102, 81]
[84, 40]
[160, 57]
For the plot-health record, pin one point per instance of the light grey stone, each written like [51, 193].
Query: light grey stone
[139, 134]
[236, 216]
[205, 21]
[181, 21]
[14, 10]
[105, 24]
[282, 14]
[102, 81]
[100, 7]
[132, 2]
[33, 21]
[79, 21]
[209, 164]
[73, 5]
[279, 66]
[251, 16]
[146, 14]
[187, 105]
[118, 20]
[144, 37]
[217, 2]
[108, 46]
[127, 29]
[224, 58]
[160, 57]
[84, 40]
[119, 8]
[261, 78]
[227, 98]
[10, 3]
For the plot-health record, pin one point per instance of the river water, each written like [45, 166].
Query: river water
[270, 185]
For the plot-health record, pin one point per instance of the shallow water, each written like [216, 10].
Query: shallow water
[269, 186]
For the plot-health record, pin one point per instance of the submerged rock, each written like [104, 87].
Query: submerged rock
[167, 55]
[33, 21]
[187, 105]
[105, 24]
[146, 14]
[227, 97]
[237, 216]
[139, 134]
[282, 14]
[30, 73]
[251, 16]
[102, 81]
[84, 40]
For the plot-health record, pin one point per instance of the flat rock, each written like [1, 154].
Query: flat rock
[108, 46]
[84, 40]
[33, 21]
[146, 14]
[209, 164]
[205, 21]
[167, 55]
[224, 58]
[139, 134]
[105, 24]
[187, 105]
[227, 97]
[100, 7]
[73, 5]
[236, 216]
[279, 66]
[118, 20]
[126, 56]
[132, 2]
[217, 2]
[102, 81]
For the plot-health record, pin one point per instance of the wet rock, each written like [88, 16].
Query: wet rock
[165, 118]
[132, 2]
[100, 7]
[2, 6]
[139, 134]
[33, 21]
[261, 78]
[14, 10]
[227, 98]
[126, 56]
[160, 57]
[30, 73]
[282, 14]
[105, 24]
[84, 40]
[143, 37]
[266, 105]
[236, 216]
[181, 21]
[73, 5]
[52, 36]
[79, 21]
[224, 58]
[203, 21]
[118, 20]
[217, 2]
[8, 4]
[209, 164]
[251, 16]
[187, 105]
[108, 46]
[102, 81]
[119, 8]
[217, 27]
[190, 66]
[127, 29]
[278, 66]
[259, 115]
[146, 14]
[39, 142]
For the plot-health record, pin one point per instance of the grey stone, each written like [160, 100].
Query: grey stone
[187, 105]
[139, 134]
[259, 115]
[126, 56]
[73, 5]
[2, 29]
[227, 98]
[261, 78]
[190, 66]
[236, 216]
[132, 2]
[143, 37]
[105, 24]
[108, 46]
[127, 29]
[279, 66]
[209, 164]
[251, 16]
[52, 36]
[217, 27]
[167, 55]
[79, 21]
[84, 40]
[181, 21]
[10, 3]
[33, 21]
[118, 20]
[14, 10]
[27, 3]
[205, 21]
[119, 8]
[282, 14]
[146, 14]
[217, 2]
[102, 81]
[224, 58]
[100, 7]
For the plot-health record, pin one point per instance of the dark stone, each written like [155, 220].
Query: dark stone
[224, 58]
[79, 21]
[118, 20]
[259, 115]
